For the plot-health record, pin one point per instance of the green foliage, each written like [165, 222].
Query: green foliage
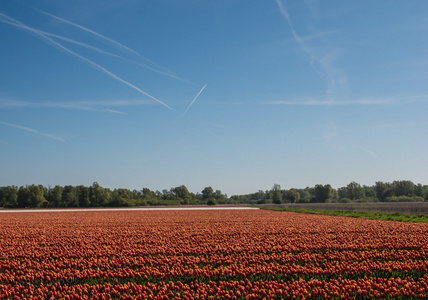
[55, 196]
[383, 190]
[69, 197]
[207, 193]
[182, 194]
[305, 195]
[292, 196]
[366, 215]
[99, 196]
[404, 199]
[84, 196]
[96, 196]
[369, 191]
[323, 193]
[276, 194]
[403, 188]
[355, 191]
[421, 191]
[23, 197]
[161, 202]
[121, 198]
[212, 202]
[344, 200]
[9, 196]
[367, 199]
[36, 196]
[218, 196]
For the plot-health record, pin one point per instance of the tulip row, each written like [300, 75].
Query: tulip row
[248, 254]
[365, 288]
[48, 273]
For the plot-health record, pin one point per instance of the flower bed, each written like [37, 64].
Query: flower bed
[209, 254]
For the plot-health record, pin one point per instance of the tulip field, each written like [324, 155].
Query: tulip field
[209, 254]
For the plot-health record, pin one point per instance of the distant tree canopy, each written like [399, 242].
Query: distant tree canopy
[38, 196]
[323, 193]
[397, 191]
[276, 194]
[33, 196]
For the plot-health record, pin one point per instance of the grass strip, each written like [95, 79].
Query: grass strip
[354, 214]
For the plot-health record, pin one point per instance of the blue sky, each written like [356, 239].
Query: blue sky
[237, 95]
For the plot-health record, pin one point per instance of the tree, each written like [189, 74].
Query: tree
[9, 196]
[36, 196]
[182, 193]
[219, 196]
[276, 194]
[207, 193]
[69, 197]
[120, 197]
[421, 190]
[355, 191]
[55, 196]
[383, 190]
[212, 202]
[99, 196]
[292, 195]
[193, 198]
[260, 195]
[342, 192]
[167, 194]
[323, 193]
[305, 195]
[369, 191]
[23, 197]
[84, 196]
[403, 188]
[148, 195]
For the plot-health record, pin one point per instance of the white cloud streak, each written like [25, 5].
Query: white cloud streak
[50, 41]
[96, 49]
[33, 131]
[363, 101]
[331, 102]
[101, 106]
[194, 100]
[111, 41]
[298, 39]
[322, 64]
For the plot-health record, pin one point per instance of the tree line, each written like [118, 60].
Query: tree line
[397, 191]
[32, 196]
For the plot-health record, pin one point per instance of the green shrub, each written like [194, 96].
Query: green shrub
[212, 202]
[404, 199]
[367, 199]
[344, 200]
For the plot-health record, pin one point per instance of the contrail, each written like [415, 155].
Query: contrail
[95, 65]
[103, 37]
[317, 102]
[33, 131]
[157, 71]
[100, 106]
[323, 67]
[96, 49]
[194, 100]
[167, 72]
[298, 39]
